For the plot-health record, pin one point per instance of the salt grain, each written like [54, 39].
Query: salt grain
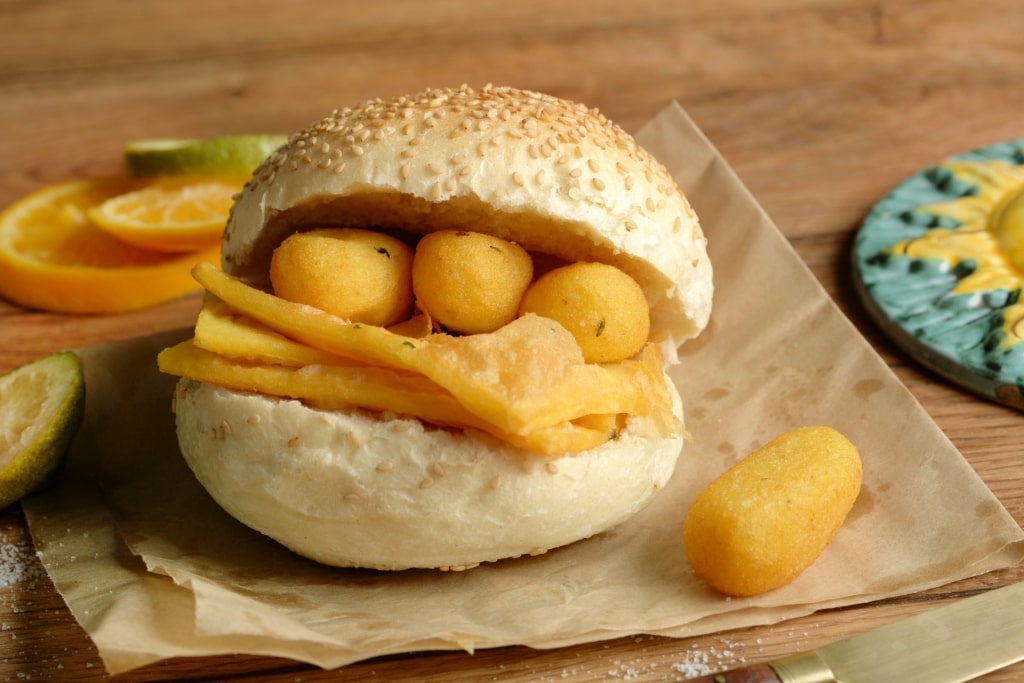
[18, 563]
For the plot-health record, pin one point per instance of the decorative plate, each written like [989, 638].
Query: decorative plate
[939, 264]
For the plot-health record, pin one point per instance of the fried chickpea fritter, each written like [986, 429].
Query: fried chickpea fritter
[603, 308]
[360, 275]
[470, 282]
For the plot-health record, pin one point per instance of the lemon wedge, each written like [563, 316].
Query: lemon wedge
[224, 156]
[41, 408]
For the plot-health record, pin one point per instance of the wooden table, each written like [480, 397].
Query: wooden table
[819, 105]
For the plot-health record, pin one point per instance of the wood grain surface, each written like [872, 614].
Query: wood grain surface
[820, 106]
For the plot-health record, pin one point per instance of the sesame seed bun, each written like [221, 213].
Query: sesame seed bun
[387, 492]
[359, 490]
[554, 176]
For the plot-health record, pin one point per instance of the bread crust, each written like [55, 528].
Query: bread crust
[552, 175]
[386, 492]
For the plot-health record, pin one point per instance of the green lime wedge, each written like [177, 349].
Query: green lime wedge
[229, 155]
[41, 408]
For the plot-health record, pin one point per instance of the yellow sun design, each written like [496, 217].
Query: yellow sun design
[989, 234]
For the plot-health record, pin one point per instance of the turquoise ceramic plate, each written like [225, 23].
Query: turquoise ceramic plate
[939, 264]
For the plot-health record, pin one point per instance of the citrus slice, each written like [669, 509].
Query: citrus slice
[228, 155]
[43, 402]
[54, 258]
[169, 214]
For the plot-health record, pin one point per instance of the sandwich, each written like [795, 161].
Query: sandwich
[440, 331]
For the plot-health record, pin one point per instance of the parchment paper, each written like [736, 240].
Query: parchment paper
[153, 569]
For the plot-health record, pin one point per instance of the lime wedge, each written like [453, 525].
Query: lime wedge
[229, 155]
[41, 407]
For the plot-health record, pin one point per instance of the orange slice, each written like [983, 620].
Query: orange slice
[169, 214]
[54, 258]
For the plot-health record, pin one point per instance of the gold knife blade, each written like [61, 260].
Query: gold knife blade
[949, 644]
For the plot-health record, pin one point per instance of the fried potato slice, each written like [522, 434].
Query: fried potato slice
[220, 330]
[531, 373]
[332, 387]
[525, 376]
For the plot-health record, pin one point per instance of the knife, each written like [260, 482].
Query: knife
[958, 642]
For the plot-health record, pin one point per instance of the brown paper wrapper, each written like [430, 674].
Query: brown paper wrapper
[153, 569]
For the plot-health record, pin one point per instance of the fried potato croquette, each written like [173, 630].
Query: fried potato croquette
[470, 282]
[603, 307]
[359, 275]
[768, 518]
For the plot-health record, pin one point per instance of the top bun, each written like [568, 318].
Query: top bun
[554, 176]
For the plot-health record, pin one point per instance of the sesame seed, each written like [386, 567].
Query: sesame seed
[293, 442]
[598, 184]
[541, 177]
[575, 173]
[358, 151]
[437, 469]
[435, 168]
[353, 498]
[630, 225]
[254, 419]
[385, 466]
[551, 467]
[517, 178]
[629, 182]
[426, 483]
[405, 170]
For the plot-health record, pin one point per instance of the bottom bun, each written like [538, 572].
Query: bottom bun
[358, 490]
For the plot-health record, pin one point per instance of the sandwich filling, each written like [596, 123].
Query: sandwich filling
[526, 383]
